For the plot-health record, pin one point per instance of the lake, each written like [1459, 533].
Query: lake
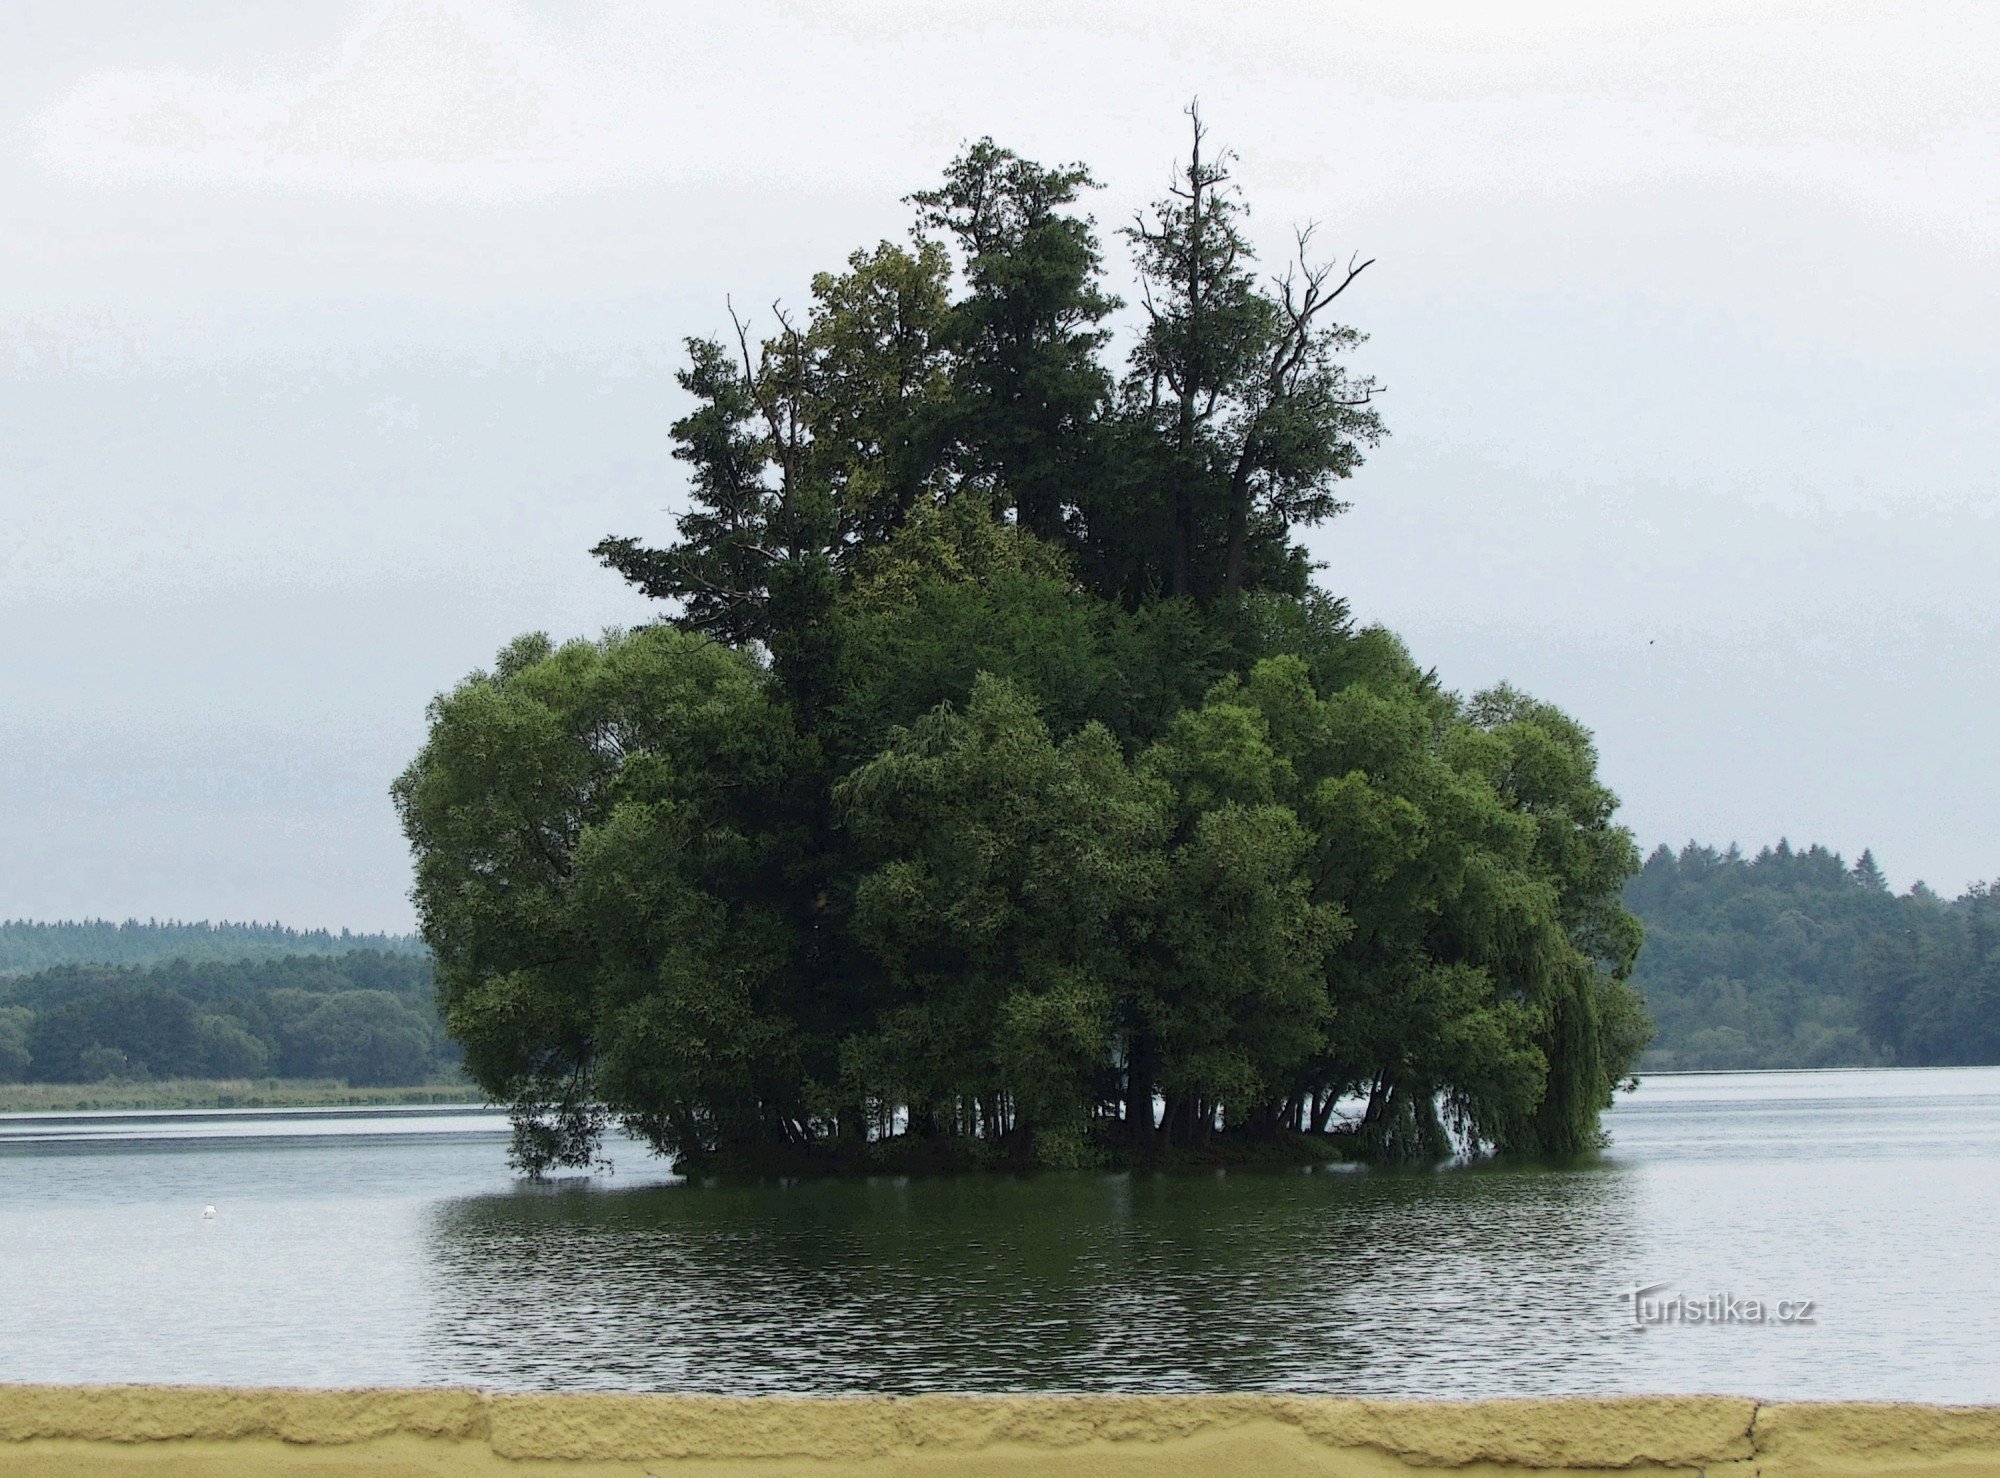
[369, 1247]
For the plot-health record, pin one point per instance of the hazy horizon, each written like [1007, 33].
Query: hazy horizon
[331, 340]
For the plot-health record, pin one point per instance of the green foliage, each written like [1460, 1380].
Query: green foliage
[1028, 390]
[1250, 417]
[229, 1049]
[601, 837]
[128, 1095]
[26, 946]
[363, 1037]
[1792, 959]
[15, 1023]
[955, 594]
[1003, 870]
[365, 1017]
[98, 1036]
[998, 788]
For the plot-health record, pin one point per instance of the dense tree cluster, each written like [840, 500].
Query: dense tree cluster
[998, 787]
[27, 945]
[364, 1017]
[1792, 958]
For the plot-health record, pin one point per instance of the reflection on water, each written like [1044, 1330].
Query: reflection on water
[1321, 1281]
[392, 1246]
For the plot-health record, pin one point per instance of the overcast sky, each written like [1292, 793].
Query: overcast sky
[331, 337]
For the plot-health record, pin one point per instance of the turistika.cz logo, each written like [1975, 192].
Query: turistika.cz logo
[1651, 1305]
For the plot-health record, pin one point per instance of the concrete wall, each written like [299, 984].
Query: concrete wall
[187, 1431]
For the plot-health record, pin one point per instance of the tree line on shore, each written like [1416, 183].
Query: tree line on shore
[28, 945]
[998, 786]
[364, 1017]
[1787, 958]
[1792, 958]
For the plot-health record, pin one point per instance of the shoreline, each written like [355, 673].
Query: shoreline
[250, 1431]
[172, 1094]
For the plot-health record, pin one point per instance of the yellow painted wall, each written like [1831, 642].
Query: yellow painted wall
[153, 1430]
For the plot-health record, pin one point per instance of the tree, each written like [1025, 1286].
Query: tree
[1005, 872]
[28, 947]
[1028, 389]
[955, 594]
[597, 826]
[997, 788]
[1869, 874]
[229, 1050]
[1236, 1000]
[804, 449]
[758, 553]
[1793, 959]
[221, 1018]
[880, 393]
[363, 1037]
[1242, 385]
[15, 1022]
[148, 1029]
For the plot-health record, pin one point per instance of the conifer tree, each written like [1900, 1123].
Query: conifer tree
[997, 775]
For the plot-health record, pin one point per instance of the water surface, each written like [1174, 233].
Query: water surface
[393, 1246]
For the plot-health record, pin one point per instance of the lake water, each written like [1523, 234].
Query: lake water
[394, 1247]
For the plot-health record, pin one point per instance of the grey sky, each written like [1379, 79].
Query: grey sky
[332, 336]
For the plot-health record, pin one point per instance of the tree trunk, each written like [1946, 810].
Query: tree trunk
[1183, 576]
[1190, 383]
[1139, 1073]
[1239, 535]
[1036, 512]
[1379, 1097]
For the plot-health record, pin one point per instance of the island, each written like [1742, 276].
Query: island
[997, 787]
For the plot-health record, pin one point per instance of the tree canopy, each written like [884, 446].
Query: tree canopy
[1792, 958]
[27, 946]
[365, 1016]
[997, 786]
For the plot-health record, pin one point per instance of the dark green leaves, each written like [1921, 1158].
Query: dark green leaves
[1000, 789]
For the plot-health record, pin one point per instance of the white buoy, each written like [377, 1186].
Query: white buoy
[208, 1213]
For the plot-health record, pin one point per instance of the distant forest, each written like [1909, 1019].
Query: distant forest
[366, 1017]
[1792, 958]
[1788, 958]
[26, 947]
